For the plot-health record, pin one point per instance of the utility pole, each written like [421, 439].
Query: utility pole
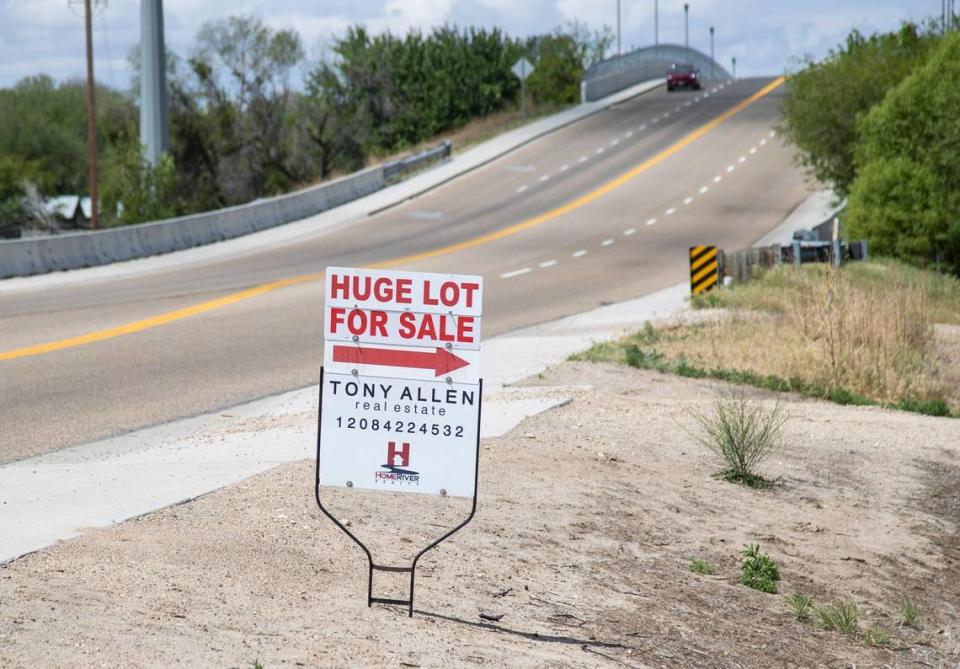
[686, 28]
[734, 61]
[712, 59]
[619, 43]
[656, 27]
[91, 119]
[154, 124]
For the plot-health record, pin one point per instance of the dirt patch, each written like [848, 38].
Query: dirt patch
[589, 517]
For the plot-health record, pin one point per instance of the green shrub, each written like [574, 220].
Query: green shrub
[743, 433]
[875, 636]
[906, 198]
[910, 614]
[702, 567]
[758, 570]
[801, 605]
[842, 616]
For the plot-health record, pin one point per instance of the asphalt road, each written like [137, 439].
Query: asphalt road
[600, 211]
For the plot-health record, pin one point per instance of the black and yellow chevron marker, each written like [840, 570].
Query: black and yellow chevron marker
[704, 268]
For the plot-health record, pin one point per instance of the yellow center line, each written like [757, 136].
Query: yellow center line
[233, 298]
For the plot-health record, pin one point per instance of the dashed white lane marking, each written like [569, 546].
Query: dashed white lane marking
[629, 231]
[651, 221]
[614, 142]
[717, 179]
[671, 211]
[545, 177]
[697, 99]
[656, 120]
[773, 133]
[707, 95]
[583, 159]
[606, 242]
[516, 272]
[742, 159]
[600, 150]
[521, 189]
[548, 263]
[564, 168]
[630, 134]
[763, 141]
[730, 168]
[579, 254]
[688, 103]
[704, 189]
[643, 127]
[688, 200]
[753, 150]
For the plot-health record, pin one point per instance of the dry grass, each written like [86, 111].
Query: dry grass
[864, 331]
[477, 131]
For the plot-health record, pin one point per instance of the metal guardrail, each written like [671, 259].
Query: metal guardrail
[39, 255]
[739, 266]
[620, 72]
[397, 170]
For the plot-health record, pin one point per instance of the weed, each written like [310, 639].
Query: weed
[801, 605]
[875, 636]
[842, 616]
[928, 407]
[758, 570]
[910, 614]
[817, 504]
[708, 300]
[702, 567]
[743, 433]
[256, 665]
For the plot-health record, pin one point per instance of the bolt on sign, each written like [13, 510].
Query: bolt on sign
[400, 388]
[704, 268]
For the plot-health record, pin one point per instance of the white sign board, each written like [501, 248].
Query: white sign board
[523, 68]
[400, 395]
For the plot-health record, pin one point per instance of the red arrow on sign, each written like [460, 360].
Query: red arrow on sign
[440, 361]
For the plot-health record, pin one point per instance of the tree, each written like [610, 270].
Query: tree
[133, 190]
[906, 199]
[242, 68]
[825, 99]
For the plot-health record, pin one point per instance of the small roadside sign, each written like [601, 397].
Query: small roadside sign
[523, 68]
[401, 383]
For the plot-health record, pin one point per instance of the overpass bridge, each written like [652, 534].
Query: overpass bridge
[620, 72]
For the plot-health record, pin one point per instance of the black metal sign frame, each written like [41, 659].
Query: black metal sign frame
[373, 566]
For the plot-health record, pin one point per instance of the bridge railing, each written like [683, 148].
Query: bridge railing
[620, 72]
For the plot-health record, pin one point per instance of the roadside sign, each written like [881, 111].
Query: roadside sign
[704, 268]
[523, 68]
[401, 384]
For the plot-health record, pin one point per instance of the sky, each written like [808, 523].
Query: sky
[766, 36]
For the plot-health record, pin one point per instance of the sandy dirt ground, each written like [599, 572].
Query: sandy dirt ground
[588, 518]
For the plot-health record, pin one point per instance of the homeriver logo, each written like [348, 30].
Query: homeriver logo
[398, 473]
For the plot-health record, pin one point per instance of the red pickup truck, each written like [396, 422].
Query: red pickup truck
[681, 75]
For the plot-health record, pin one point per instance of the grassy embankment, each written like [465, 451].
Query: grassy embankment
[877, 333]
